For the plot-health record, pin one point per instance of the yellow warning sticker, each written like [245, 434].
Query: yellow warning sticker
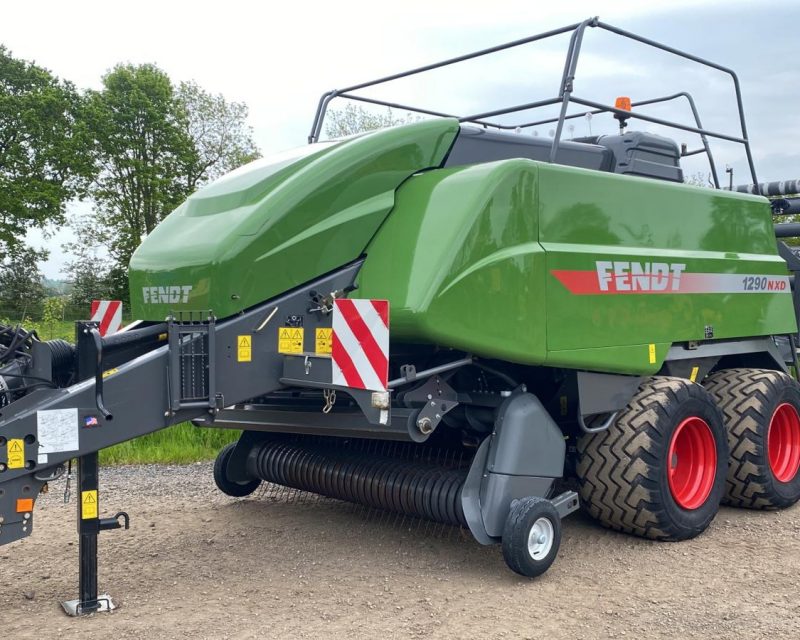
[88, 505]
[244, 348]
[693, 374]
[322, 343]
[652, 353]
[109, 372]
[290, 339]
[16, 454]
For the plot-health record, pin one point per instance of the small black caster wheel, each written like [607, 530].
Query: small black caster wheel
[225, 484]
[531, 536]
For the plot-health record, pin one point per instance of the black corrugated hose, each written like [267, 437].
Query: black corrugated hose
[411, 488]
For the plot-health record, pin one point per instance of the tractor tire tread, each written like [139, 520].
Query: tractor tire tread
[618, 468]
[744, 395]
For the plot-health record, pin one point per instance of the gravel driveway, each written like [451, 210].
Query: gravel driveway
[197, 564]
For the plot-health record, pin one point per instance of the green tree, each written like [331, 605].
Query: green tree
[141, 150]
[44, 159]
[699, 179]
[52, 315]
[218, 130]
[88, 274]
[354, 119]
[21, 282]
[154, 146]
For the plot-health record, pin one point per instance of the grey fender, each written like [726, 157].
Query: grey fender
[522, 457]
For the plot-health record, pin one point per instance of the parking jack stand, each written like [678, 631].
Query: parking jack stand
[89, 526]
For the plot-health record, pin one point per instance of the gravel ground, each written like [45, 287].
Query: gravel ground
[197, 564]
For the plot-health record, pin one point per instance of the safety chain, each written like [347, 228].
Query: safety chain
[69, 479]
[330, 399]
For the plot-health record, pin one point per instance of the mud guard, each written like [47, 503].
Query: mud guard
[522, 457]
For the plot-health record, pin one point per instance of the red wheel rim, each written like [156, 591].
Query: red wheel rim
[783, 443]
[692, 460]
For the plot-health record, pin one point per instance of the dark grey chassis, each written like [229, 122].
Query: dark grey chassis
[134, 384]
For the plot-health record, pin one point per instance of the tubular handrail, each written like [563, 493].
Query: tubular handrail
[641, 103]
[565, 95]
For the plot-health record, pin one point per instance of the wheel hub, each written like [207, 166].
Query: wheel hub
[692, 460]
[783, 443]
[540, 538]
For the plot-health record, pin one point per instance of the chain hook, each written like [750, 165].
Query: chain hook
[330, 399]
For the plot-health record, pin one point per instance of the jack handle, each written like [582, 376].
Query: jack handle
[114, 523]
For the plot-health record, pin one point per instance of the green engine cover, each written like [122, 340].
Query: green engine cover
[279, 222]
[552, 265]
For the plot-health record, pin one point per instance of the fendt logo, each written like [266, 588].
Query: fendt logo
[615, 277]
[639, 276]
[166, 295]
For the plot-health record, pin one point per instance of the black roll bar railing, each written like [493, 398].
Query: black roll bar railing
[641, 103]
[565, 95]
[316, 128]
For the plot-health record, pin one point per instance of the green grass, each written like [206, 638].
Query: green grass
[64, 329]
[181, 444]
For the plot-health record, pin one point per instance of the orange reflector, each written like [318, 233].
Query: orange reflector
[623, 103]
[24, 505]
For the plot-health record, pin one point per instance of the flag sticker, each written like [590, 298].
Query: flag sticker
[290, 340]
[244, 349]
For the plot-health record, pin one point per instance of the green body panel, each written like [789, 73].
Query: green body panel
[279, 222]
[645, 220]
[466, 260]
[509, 259]
[460, 262]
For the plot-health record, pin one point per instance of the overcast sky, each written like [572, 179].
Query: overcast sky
[279, 57]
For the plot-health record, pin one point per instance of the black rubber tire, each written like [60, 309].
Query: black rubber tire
[521, 518]
[623, 470]
[227, 486]
[748, 399]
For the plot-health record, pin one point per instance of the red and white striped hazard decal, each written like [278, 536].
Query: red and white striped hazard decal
[109, 314]
[360, 347]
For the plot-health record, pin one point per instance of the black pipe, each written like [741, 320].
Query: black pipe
[787, 230]
[785, 206]
[126, 338]
[419, 489]
[777, 188]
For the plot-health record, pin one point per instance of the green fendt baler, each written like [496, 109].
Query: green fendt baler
[533, 323]
[596, 266]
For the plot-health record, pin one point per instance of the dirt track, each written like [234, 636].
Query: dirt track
[199, 565]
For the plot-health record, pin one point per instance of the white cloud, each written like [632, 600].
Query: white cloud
[279, 57]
